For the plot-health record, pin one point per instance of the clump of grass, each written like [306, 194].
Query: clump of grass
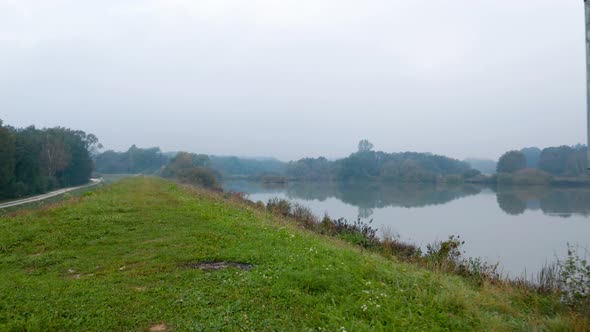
[304, 216]
[548, 279]
[358, 232]
[393, 245]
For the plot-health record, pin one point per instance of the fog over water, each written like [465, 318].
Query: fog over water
[297, 78]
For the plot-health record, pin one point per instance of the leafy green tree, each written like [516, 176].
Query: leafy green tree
[134, 160]
[365, 145]
[7, 156]
[532, 155]
[36, 160]
[511, 161]
[406, 171]
[55, 153]
[80, 167]
[310, 169]
[199, 176]
[564, 160]
[371, 165]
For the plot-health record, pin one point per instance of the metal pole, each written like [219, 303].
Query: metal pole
[587, 14]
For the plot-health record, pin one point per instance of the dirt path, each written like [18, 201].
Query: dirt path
[93, 182]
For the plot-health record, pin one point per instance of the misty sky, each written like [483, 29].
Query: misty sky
[294, 78]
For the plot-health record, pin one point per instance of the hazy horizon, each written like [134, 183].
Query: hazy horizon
[295, 79]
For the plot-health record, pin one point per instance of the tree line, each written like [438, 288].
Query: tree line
[133, 161]
[529, 165]
[366, 164]
[563, 161]
[34, 161]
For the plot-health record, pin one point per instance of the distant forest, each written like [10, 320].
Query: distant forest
[528, 165]
[34, 161]
[365, 164]
[153, 161]
[133, 161]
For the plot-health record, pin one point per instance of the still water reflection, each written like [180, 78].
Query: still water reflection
[521, 227]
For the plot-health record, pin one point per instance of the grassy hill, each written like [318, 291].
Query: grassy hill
[124, 258]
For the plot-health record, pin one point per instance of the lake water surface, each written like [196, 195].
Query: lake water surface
[523, 228]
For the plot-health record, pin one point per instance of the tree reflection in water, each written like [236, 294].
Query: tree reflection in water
[368, 196]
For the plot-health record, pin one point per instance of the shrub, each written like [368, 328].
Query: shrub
[260, 205]
[445, 252]
[304, 215]
[478, 270]
[279, 206]
[358, 232]
[199, 176]
[575, 279]
[529, 176]
[392, 245]
[548, 279]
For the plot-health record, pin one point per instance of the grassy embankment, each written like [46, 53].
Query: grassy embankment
[119, 259]
[107, 179]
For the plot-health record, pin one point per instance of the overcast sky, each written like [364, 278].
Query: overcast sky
[295, 78]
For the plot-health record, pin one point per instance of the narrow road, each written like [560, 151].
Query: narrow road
[93, 182]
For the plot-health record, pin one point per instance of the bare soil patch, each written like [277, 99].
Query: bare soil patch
[159, 327]
[215, 266]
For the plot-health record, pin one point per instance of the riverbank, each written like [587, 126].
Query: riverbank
[128, 257]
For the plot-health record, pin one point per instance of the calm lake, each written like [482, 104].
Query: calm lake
[521, 227]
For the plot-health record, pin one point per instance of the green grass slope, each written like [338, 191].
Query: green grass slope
[117, 259]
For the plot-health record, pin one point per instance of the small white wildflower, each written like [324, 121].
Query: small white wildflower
[378, 306]
[342, 329]
[364, 307]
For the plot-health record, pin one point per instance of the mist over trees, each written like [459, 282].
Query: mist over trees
[485, 166]
[33, 161]
[133, 161]
[366, 164]
[532, 155]
[561, 161]
[235, 166]
[530, 165]
[564, 160]
[511, 162]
